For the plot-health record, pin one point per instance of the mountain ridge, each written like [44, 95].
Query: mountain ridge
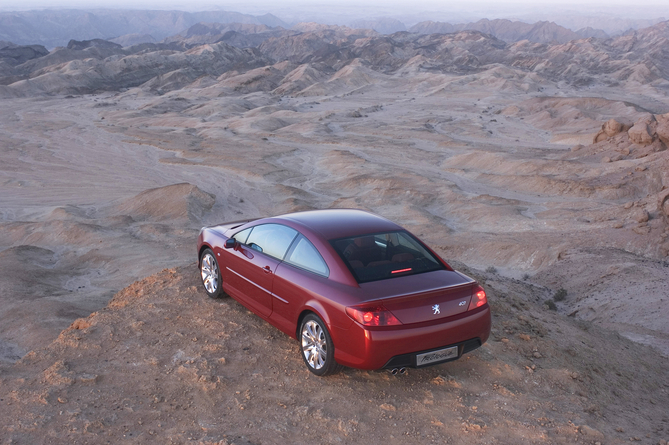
[640, 57]
[53, 28]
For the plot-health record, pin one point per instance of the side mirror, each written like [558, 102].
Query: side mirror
[230, 243]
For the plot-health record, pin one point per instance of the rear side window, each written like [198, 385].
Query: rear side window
[385, 255]
[303, 254]
[271, 239]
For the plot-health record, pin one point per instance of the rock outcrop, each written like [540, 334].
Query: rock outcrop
[663, 203]
[94, 43]
[650, 132]
[640, 134]
[609, 129]
[175, 202]
[16, 54]
[662, 129]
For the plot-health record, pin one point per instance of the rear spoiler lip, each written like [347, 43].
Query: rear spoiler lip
[467, 277]
[381, 301]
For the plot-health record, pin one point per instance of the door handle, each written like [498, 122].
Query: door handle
[267, 269]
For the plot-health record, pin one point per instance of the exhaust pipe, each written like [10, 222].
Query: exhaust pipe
[394, 371]
[403, 371]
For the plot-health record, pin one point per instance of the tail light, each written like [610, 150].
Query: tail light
[478, 298]
[372, 316]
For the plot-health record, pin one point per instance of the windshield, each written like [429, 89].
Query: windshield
[385, 255]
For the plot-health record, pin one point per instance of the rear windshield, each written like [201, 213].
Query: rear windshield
[385, 255]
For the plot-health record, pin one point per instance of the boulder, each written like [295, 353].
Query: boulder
[663, 203]
[664, 249]
[640, 134]
[648, 119]
[641, 216]
[590, 432]
[643, 151]
[612, 127]
[662, 132]
[599, 137]
[609, 129]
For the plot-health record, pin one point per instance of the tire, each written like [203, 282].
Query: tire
[316, 345]
[211, 274]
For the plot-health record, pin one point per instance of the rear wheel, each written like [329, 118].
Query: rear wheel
[211, 274]
[317, 348]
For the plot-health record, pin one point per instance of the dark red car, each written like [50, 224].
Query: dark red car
[354, 288]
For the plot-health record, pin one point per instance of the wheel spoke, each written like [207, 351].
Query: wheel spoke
[209, 273]
[314, 344]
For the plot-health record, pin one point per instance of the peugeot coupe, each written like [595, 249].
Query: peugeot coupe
[354, 288]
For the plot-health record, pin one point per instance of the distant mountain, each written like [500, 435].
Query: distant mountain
[339, 31]
[652, 43]
[241, 35]
[316, 42]
[507, 30]
[110, 68]
[17, 54]
[94, 43]
[382, 25]
[610, 24]
[133, 39]
[53, 28]
[588, 32]
[317, 60]
[430, 27]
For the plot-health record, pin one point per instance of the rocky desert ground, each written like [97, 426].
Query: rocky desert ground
[539, 168]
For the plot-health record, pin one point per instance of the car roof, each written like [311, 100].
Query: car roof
[341, 223]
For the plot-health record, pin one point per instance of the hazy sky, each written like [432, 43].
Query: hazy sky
[407, 11]
[249, 5]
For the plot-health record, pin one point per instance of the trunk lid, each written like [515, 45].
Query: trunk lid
[424, 297]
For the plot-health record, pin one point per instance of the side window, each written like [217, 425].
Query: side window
[241, 237]
[271, 239]
[305, 255]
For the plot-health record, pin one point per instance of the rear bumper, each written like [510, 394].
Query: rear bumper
[362, 348]
[409, 360]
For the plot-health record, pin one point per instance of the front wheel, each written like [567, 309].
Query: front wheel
[211, 274]
[317, 348]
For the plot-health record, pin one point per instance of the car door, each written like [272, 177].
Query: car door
[302, 273]
[252, 264]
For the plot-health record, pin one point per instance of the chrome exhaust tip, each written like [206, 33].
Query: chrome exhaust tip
[394, 371]
[403, 371]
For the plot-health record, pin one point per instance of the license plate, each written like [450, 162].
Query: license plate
[436, 356]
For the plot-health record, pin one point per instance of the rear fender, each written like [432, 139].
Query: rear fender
[317, 308]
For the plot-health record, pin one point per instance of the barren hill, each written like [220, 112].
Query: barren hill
[91, 66]
[164, 363]
[241, 35]
[507, 30]
[543, 169]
